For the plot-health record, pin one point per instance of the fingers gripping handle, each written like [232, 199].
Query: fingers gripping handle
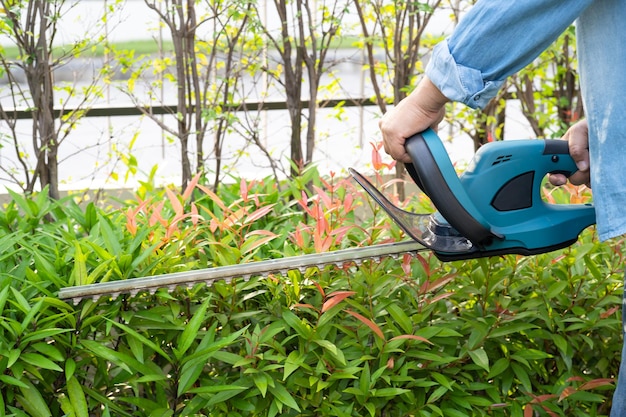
[565, 166]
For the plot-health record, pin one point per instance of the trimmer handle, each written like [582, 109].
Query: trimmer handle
[434, 173]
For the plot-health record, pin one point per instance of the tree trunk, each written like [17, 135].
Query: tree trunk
[179, 40]
[39, 77]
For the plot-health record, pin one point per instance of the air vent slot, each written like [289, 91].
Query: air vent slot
[501, 159]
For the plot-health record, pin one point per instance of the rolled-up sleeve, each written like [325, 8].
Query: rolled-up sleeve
[494, 40]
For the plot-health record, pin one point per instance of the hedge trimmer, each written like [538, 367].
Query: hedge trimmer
[494, 208]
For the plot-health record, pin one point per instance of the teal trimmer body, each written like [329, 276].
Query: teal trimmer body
[495, 207]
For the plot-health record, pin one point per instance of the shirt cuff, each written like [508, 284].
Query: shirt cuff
[458, 83]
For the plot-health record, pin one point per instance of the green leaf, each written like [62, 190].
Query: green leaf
[279, 392]
[212, 389]
[478, 335]
[77, 398]
[332, 349]
[227, 357]
[79, 274]
[40, 361]
[14, 355]
[4, 295]
[480, 358]
[531, 354]
[190, 333]
[498, 367]
[400, 317]
[437, 394]
[49, 350]
[442, 380]
[296, 324]
[510, 328]
[70, 367]
[9, 380]
[292, 363]
[111, 240]
[32, 401]
[451, 412]
[147, 342]
[224, 394]
[556, 289]
[365, 382]
[260, 380]
[105, 353]
[194, 365]
[22, 303]
[593, 268]
[522, 375]
[43, 334]
[389, 392]
[34, 310]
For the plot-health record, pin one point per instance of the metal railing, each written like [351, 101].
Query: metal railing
[109, 111]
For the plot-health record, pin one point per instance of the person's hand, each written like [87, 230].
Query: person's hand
[578, 137]
[422, 109]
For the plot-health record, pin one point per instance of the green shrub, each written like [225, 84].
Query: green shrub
[504, 336]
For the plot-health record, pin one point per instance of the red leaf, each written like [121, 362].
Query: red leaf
[566, 393]
[156, 216]
[609, 312]
[412, 337]
[335, 298]
[131, 221]
[528, 410]
[189, 189]
[440, 297]
[431, 286]
[309, 306]
[595, 383]
[257, 214]
[424, 262]
[328, 202]
[249, 247]
[175, 202]
[214, 197]
[320, 289]
[406, 264]
[298, 237]
[194, 214]
[541, 398]
[368, 323]
[243, 187]
[304, 203]
[377, 162]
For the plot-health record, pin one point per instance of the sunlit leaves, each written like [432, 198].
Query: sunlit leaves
[490, 337]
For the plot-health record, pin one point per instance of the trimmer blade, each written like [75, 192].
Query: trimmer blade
[431, 230]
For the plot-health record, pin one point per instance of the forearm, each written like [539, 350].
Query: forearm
[494, 40]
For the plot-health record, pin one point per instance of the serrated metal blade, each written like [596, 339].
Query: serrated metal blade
[421, 227]
[227, 273]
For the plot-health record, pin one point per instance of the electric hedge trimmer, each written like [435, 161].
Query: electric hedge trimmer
[493, 208]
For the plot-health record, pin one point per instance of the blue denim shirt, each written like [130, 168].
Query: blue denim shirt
[496, 38]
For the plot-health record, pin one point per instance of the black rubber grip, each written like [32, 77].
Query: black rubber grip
[433, 183]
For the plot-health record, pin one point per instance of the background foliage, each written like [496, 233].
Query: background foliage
[504, 336]
[217, 71]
